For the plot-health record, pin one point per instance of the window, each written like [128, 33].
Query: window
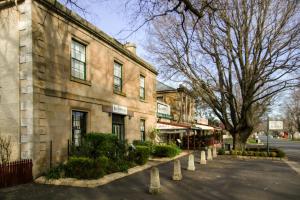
[78, 55]
[142, 130]
[160, 98]
[117, 77]
[142, 87]
[78, 126]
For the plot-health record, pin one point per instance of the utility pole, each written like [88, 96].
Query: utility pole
[268, 136]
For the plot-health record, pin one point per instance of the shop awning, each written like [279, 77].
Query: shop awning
[204, 127]
[169, 127]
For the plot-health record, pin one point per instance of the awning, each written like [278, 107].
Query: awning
[204, 127]
[169, 127]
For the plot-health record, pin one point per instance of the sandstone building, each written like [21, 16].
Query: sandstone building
[61, 77]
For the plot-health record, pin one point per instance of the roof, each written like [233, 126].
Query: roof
[163, 87]
[71, 16]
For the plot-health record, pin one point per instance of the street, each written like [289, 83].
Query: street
[291, 148]
[223, 178]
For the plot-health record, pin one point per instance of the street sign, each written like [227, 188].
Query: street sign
[275, 125]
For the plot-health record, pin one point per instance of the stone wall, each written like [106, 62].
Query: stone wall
[9, 77]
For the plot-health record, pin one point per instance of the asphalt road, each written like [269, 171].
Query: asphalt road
[291, 148]
[222, 178]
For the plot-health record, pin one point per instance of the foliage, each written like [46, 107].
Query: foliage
[5, 150]
[233, 152]
[152, 134]
[95, 145]
[280, 153]
[142, 154]
[166, 150]
[221, 151]
[148, 144]
[86, 168]
[56, 172]
[273, 154]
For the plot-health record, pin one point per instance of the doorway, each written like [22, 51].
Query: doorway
[118, 126]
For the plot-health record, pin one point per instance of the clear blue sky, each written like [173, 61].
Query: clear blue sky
[112, 17]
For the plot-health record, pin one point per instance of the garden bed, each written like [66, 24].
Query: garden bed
[107, 178]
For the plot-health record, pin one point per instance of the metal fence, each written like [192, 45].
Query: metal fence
[14, 173]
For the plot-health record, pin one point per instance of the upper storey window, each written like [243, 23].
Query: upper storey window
[142, 87]
[78, 55]
[117, 77]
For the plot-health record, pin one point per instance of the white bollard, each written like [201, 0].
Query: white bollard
[191, 163]
[154, 187]
[177, 176]
[215, 152]
[203, 158]
[209, 157]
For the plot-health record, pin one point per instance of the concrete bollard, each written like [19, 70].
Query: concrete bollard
[154, 187]
[209, 157]
[191, 163]
[214, 152]
[177, 176]
[203, 158]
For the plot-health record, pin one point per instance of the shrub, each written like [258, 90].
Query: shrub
[238, 153]
[142, 154]
[166, 151]
[273, 154]
[263, 154]
[56, 172]
[86, 168]
[233, 152]
[256, 153]
[119, 166]
[221, 151]
[244, 153]
[148, 144]
[95, 145]
[250, 153]
[280, 153]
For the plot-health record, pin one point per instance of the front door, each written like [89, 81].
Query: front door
[118, 126]
[79, 120]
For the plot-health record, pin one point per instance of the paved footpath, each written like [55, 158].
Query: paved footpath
[219, 179]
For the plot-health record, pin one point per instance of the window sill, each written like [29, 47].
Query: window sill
[120, 93]
[77, 80]
[143, 100]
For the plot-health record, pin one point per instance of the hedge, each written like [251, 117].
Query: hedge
[86, 168]
[142, 154]
[166, 151]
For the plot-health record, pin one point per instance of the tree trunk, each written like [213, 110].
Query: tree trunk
[239, 143]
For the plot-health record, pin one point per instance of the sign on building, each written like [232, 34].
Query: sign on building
[275, 125]
[163, 108]
[202, 121]
[119, 109]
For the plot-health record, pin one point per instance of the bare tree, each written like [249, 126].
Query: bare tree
[5, 150]
[292, 112]
[236, 59]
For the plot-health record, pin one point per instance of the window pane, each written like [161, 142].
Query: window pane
[142, 93]
[78, 69]
[78, 51]
[142, 81]
[118, 70]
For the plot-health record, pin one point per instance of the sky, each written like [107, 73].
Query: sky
[113, 18]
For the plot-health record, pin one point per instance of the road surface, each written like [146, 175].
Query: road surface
[291, 148]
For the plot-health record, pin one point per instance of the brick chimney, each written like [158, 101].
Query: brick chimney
[130, 47]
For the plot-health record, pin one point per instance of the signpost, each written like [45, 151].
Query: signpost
[273, 125]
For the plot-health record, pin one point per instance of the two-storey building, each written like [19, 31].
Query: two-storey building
[61, 77]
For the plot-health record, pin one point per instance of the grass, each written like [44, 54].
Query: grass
[251, 141]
